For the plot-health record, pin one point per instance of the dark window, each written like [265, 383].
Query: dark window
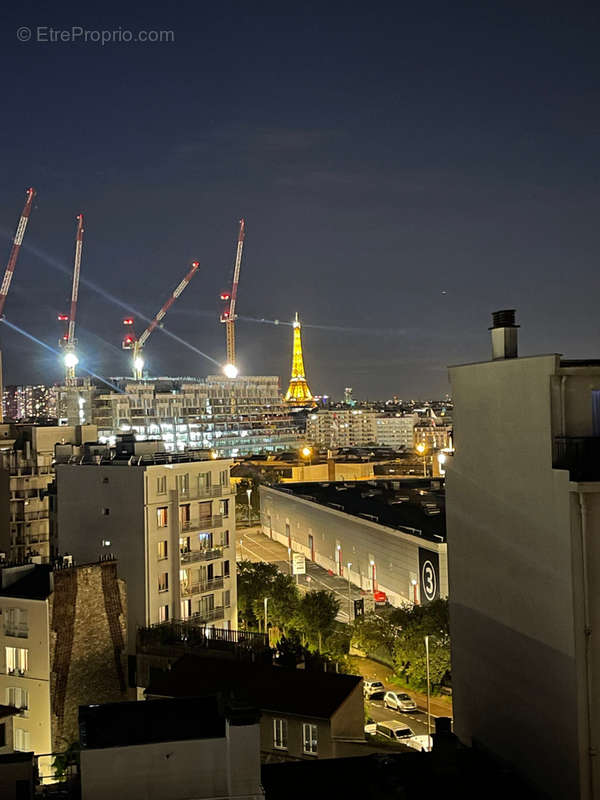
[104, 480]
[106, 511]
[3, 735]
[226, 569]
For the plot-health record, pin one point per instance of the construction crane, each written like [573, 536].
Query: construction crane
[132, 342]
[14, 253]
[229, 316]
[68, 342]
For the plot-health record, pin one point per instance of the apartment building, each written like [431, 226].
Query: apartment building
[29, 402]
[233, 417]
[523, 506]
[168, 518]
[396, 431]
[341, 428]
[26, 472]
[62, 643]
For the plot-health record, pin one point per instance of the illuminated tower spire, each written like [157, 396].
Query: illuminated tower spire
[298, 393]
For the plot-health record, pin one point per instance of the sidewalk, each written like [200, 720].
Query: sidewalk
[375, 671]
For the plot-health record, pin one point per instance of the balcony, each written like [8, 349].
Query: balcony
[205, 493]
[580, 455]
[202, 587]
[206, 554]
[202, 524]
[207, 616]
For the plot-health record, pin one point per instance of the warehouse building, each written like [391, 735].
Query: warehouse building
[383, 535]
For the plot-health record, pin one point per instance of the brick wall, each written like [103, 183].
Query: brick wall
[88, 641]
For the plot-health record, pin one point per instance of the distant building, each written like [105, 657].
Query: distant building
[524, 562]
[170, 521]
[170, 750]
[392, 531]
[396, 431]
[232, 416]
[433, 432]
[26, 472]
[63, 642]
[29, 402]
[341, 428]
[304, 714]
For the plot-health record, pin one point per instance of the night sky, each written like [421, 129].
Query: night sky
[404, 170]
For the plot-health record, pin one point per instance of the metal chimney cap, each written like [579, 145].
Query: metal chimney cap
[503, 319]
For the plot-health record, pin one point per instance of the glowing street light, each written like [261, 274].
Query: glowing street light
[421, 449]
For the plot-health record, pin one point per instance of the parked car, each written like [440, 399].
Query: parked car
[393, 730]
[420, 742]
[371, 727]
[373, 690]
[400, 701]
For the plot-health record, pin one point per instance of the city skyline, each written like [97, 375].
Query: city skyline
[391, 201]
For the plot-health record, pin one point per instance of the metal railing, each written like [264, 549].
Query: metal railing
[208, 554]
[201, 524]
[205, 493]
[218, 612]
[202, 586]
[194, 633]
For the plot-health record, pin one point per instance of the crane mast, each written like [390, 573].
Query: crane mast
[229, 316]
[131, 342]
[14, 253]
[68, 341]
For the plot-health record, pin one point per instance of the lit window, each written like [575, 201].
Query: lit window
[309, 738]
[162, 517]
[280, 734]
[163, 613]
[17, 660]
[18, 698]
[186, 609]
[162, 550]
[163, 582]
[224, 508]
[161, 484]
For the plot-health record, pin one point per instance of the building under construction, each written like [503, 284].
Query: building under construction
[230, 416]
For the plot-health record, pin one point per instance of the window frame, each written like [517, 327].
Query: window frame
[307, 728]
[280, 733]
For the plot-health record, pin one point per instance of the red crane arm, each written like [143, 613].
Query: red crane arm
[143, 338]
[14, 253]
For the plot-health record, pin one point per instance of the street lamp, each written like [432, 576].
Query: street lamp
[307, 453]
[266, 616]
[349, 598]
[249, 495]
[290, 558]
[414, 585]
[428, 687]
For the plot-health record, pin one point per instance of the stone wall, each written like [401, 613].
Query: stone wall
[88, 641]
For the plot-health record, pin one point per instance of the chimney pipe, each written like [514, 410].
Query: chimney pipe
[504, 334]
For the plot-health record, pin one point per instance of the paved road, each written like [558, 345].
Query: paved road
[416, 720]
[253, 545]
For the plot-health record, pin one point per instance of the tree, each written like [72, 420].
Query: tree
[316, 615]
[283, 602]
[409, 648]
[372, 632]
[254, 582]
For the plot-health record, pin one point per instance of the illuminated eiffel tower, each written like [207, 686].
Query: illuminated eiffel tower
[298, 393]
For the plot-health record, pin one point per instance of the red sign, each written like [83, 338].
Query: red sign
[380, 597]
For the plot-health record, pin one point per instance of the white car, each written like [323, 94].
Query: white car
[420, 742]
[373, 689]
[400, 701]
[394, 730]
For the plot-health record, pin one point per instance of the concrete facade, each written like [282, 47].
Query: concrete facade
[383, 558]
[170, 525]
[523, 508]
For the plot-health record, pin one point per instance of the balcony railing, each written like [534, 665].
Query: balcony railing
[202, 587]
[205, 493]
[202, 524]
[578, 454]
[207, 554]
[207, 616]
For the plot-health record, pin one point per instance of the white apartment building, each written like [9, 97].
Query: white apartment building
[169, 519]
[341, 428]
[26, 471]
[396, 431]
[233, 417]
[523, 516]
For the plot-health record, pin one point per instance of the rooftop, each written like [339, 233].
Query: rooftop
[412, 505]
[276, 689]
[134, 723]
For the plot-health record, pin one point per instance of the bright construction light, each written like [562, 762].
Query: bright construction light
[230, 371]
[138, 363]
[441, 458]
[306, 451]
[70, 360]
